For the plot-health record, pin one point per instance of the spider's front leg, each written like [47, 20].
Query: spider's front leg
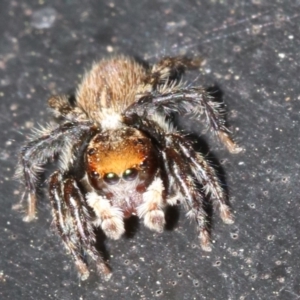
[73, 222]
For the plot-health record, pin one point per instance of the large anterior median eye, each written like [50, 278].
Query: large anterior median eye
[111, 178]
[130, 174]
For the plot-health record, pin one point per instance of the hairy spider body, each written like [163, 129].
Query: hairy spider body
[120, 155]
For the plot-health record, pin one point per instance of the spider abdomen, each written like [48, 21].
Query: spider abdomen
[111, 84]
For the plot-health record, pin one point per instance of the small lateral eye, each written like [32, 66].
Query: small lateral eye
[144, 163]
[111, 178]
[130, 174]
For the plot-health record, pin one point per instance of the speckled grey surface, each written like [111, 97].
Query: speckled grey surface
[251, 51]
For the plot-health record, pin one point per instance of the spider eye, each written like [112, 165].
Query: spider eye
[111, 178]
[144, 164]
[130, 174]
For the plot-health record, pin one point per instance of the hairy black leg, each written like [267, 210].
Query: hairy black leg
[73, 223]
[63, 221]
[192, 197]
[168, 70]
[82, 223]
[37, 152]
[194, 101]
[206, 175]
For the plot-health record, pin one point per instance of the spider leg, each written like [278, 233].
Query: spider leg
[206, 175]
[62, 218]
[193, 198]
[39, 151]
[73, 223]
[168, 70]
[196, 101]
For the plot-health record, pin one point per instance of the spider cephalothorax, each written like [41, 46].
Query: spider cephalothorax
[120, 165]
[120, 155]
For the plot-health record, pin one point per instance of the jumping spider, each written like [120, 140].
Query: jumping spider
[120, 155]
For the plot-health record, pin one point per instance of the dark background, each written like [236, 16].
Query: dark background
[251, 52]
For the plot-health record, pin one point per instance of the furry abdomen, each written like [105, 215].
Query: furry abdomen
[110, 86]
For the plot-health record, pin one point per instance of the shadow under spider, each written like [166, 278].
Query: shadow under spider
[132, 224]
[100, 244]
